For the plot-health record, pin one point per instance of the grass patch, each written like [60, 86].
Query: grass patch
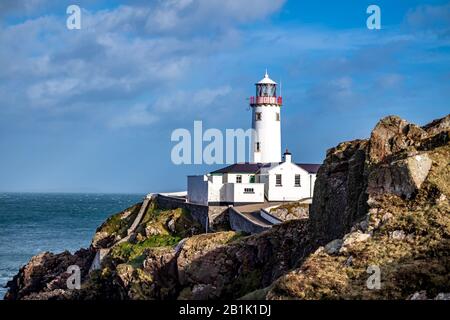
[239, 235]
[116, 224]
[133, 253]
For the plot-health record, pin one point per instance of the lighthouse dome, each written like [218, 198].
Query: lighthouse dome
[266, 80]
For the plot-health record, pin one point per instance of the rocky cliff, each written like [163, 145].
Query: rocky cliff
[379, 204]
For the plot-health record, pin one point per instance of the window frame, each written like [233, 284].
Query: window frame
[280, 178]
[299, 184]
[249, 191]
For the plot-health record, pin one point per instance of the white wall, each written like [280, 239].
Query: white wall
[313, 181]
[235, 193]
[206, 189]
[268, 133]
[288, 191]
[215, 183]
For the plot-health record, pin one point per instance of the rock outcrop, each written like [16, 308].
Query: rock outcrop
[401, 229]
[45, 276]
[340, 196]
[380, 204]
[291, 211]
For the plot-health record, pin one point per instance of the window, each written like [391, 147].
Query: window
[297, 180]
[238, 179]
[258, 147]
[278, 180]
[258, 116]
[252, 179]
[278, 116]
[249, 190]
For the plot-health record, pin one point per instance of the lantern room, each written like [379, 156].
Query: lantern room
[266, 92]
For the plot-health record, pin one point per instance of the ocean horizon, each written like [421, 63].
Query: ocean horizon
[33, 222]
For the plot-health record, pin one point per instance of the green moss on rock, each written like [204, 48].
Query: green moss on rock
[134, 252]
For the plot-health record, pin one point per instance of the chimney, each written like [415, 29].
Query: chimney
[287, 156]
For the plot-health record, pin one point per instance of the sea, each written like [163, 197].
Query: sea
[31, 223]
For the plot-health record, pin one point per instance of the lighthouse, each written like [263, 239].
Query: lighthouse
[266, 122]
[266, 178]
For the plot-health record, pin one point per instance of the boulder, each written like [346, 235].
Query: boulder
[437, 126]
[45, 275]
[334, 246]
[392, 135]
[352, 238]
[403, 177]
[420, 295]
[398, 235]
[442, 296]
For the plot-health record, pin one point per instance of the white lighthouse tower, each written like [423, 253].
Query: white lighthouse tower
[266, 124]
[266, 177]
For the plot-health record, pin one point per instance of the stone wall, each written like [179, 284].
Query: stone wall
[239, 222]
[219, 217]
[216, 216]
[266, 214]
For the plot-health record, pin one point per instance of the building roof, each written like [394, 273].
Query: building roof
[310, 167]
[266, 80]
[255, 167]
[240, 168]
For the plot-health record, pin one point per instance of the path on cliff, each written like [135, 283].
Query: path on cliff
[253, 212]
[256, 217]
[101, 253]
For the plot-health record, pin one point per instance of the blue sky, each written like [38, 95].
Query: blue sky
[92, 110]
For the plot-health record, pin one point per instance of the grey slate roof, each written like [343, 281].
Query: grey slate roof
[240, 168]
[254, 167]
[310, 167]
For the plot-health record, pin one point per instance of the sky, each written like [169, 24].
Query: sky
[92, 110]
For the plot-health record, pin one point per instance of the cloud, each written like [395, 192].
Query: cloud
[22, 7]
[135, 71]
[120, 54]
[429, 16]
[168, 52]
[136, 116]
[188, 101]
[181, 18]
[334, 95]
[390, 80]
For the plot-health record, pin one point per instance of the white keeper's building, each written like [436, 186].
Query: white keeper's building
[267, 177]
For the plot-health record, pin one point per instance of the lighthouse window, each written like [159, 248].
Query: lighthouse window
[272, 90]
[278, 116]
[258, 147]
[265, 91]
[278, 180]
[258, 116]
[297, 180]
